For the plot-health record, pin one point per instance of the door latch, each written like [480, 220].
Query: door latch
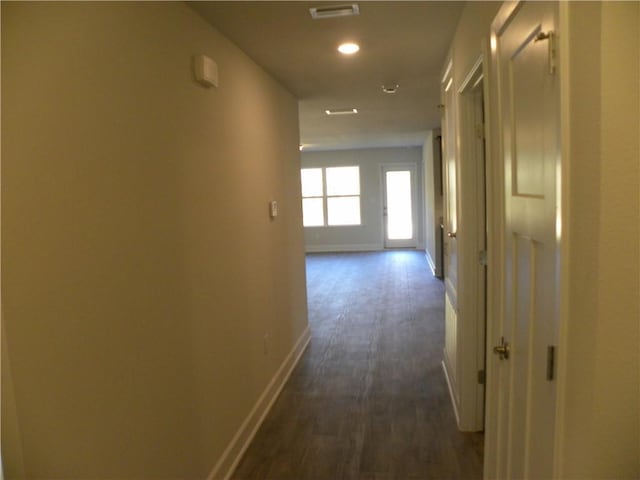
[502, 350]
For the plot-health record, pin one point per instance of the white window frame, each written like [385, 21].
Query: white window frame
[325, 197]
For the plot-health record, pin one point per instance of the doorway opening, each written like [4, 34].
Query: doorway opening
[466, 244]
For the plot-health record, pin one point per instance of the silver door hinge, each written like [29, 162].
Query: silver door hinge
[482, 378]
[551, 362]
[480, 131]
[482, 258]
[550, 36]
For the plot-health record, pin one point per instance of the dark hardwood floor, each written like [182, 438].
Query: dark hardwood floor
[368, 399]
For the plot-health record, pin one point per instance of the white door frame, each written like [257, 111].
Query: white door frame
[495, 246]
[471, 242]
[413, 168]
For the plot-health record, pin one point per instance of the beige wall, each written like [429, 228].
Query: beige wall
[140, 269]
[472, 30]
[601, 437]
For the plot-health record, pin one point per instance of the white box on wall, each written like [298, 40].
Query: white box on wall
[205, 71]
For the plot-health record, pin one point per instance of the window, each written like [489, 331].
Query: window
[343, 195]
[312, 197]
[330, 196]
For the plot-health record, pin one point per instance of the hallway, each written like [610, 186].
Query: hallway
[368, 398]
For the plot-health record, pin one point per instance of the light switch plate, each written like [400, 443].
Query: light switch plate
[273, 209]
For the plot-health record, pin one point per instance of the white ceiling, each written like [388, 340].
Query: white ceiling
[402, 43]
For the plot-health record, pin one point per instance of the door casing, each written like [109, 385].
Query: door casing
[471, 244]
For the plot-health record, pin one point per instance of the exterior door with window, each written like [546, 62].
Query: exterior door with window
[399, 212]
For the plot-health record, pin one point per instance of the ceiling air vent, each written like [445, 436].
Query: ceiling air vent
[341, 111]
[334, 11]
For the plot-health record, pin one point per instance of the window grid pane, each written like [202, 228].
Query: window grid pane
[399, 214]
[312, 212]
[343, 210]
[343, 181]
[311, 179]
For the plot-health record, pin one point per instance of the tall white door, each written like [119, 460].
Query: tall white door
[528, 108]
[452, 364]
[399, 206]
[450, 183]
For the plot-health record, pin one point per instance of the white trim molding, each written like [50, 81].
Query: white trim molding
[232, 455]
[362, 247]
[431, 263]
[454, 403]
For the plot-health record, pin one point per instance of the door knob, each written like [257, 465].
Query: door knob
[502, 350]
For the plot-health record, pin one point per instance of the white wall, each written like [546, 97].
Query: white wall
[140, 268]
[369, 235]
[600, 429]
[433, 201]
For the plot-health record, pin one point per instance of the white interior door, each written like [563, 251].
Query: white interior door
[399, 209]
[451, 362]
[450, 183]
[528, 109]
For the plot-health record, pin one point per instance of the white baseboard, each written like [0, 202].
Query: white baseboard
[432, 266]
[451, 393]
[363, 247]
[243, 437]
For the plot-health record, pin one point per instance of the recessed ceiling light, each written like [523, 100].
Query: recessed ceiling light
[390, 88]
[348, 48]
[342, 111]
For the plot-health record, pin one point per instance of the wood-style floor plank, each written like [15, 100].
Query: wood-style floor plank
[368, 399]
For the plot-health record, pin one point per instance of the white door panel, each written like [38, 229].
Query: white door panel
[450, 180]
[528, 107]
